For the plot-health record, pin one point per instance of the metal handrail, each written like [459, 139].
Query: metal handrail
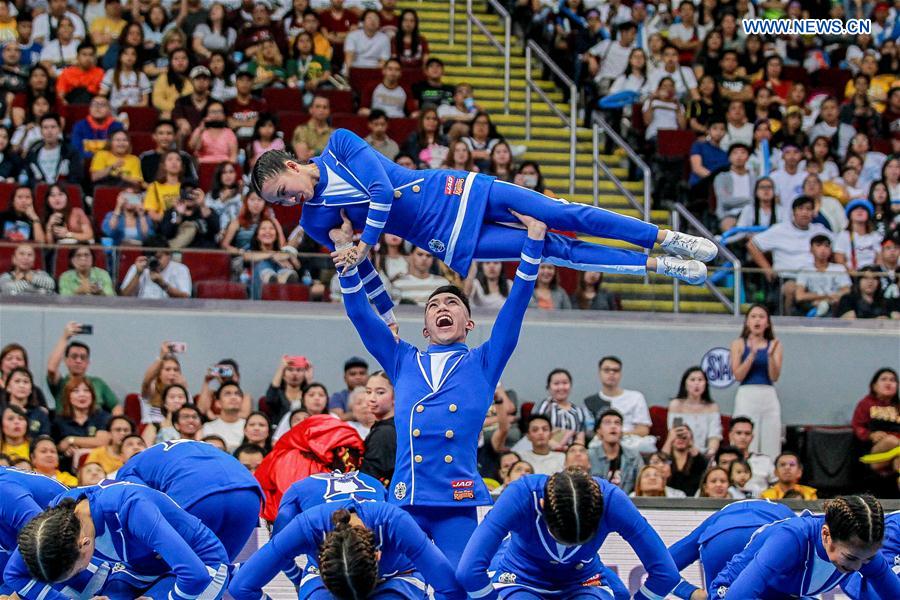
[571, 121]
[600, 123]
[679, 211]
[504, 48]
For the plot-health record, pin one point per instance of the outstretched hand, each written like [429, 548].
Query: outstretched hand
[536, 229]
[346, 256]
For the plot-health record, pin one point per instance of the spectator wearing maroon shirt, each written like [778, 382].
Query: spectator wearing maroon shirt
[260, 26]
[876, 420]
[890, 118]
[244, 109]
[390, 22]
[190, 110]
[336, 22]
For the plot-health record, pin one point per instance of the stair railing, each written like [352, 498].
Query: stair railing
[503, 47]
[598, 164]
[679, 212]
[532, 50]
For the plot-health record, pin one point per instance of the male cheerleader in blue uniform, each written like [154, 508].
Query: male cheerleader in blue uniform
[456, 215]
[206, 482]
[557, 525]
[153, 547]
[23, 496]
[812, 554]
[714, 540]
[858, 587]
[443, 393]
[364, 549]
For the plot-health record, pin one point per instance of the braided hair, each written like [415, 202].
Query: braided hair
[573, 506]
[49, 542]
[851, 518]
[348, 564]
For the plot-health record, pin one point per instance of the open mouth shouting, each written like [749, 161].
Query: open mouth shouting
[444, 321]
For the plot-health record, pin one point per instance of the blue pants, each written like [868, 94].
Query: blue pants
[497, 242]
[231, 515]
[715, 553]
[449, 527]
[125, 585]
[408, 586]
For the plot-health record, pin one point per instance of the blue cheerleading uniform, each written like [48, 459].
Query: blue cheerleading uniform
[149, 545]
[721, 535]
[535, 566]
[787, 559]
[441, 396]
[456, 215]
[408, 558]
[859, 588]
[25, 496]
[206, 482]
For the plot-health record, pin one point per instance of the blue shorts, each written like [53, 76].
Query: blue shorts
[123, 584]
[405, 586]
[590, 587]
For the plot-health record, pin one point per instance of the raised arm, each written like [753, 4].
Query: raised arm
[505, 333]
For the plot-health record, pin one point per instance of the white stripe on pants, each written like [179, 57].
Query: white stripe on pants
[760, 403]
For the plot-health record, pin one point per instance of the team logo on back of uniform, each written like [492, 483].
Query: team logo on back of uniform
[400, 491]
[507, 578]
[436, 246]
[340, 485]
[720, 593]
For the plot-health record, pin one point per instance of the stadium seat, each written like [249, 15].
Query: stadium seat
[280, 99]
[141, 142]
[132, 408]
[40, 197]
[411, 76]
[400, 129]
[361, 79]
[286, 292]
[6, 193]
[675, 143]
[72, 113]
[263, 406]
[289, 121]
[287, 216]
[223, 290]
[341, 100]
[104, 202]
[125, 258]
[62, 259]
[658, 425]
[795, 74]
[7, 250]
[207, 266]
[355, 123]
[833, 78]
[141, 118]
[208, 171]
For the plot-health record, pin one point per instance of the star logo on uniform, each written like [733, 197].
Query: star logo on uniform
[721, 591]
[507, 578]
[436, 246]
[400, 491]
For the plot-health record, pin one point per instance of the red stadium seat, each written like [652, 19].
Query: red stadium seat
[287, 216]
[222, 290]
[62, 259]
[289, 121]
[104, 202]
[726, 426]
[72, 113]
[282, 99]
[675, 143]
[361, 78]
[400, 129]
[659, 426]
[795, 74]
[40, 197]
[355, 123]
[411, 76]
[833, 78]
[208, 171]
[141, 142]
[132, 408]
[6, 194]
[285, 292]
[7, 250]
[141, 118]
[341, 101]
[126, 258]
[207, 266]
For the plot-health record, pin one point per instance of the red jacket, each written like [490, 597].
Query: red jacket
[862, 417]
[320, 444]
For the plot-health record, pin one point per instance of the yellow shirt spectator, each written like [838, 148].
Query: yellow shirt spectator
[15, 451]
[778, 491]
[878, 90]
[131, 164]
[106, 28]
[161, 197]
[102, 457]
[164, 95]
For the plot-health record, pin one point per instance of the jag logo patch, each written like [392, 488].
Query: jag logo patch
[400, 491]
[592, 582]
[454, 185]
[462, 483]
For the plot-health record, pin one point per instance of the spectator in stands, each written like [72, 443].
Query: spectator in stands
[20, 222]
[61, 52]
[90, 473]
[790, 177]
[13, 75]
[858, 245]
[212, 141]
[432, 90]
[10, 160]
[77, 357]
[360, 417]
[80, 423]
[244, 109]
[265, 137]
[188, 422]
[83, 278]
[662, 110]
[890, 266]
[548, 294]
[409, 45]
[46, 23]
[569, 421]
[229, 425]
[608, 59]
[876, 418]
[29, 132]
[609, 458]
[117, 166]
[740, 437]
[45, 460]
[189, 111]
[190, 223]
[682, 78]
[241, 230]
[265, 259]
[459, 158]
[92, 133]
[707, 158]
[688, 464]
[872, 161]
[501, 163]
[820, 289]
[307, 69]
[389, 96]
[791, 131]
[174, 396]
[631, 404]
[764, 108]
[164, 138]
[172, 84]
[462, 110]
[126, 85]
[515, 472]
[588, 294]
[739, 475]
[258, 432]
[268, 67]
[706, 109]
[19, 391]
[128, 224]
[106, 28]
[157, 276]
[789, 471]
[827, 211]
[133, 34]
[366, 47]
[321, 44]
[830, 126]
[31, 50]
[216, 441]
[482, 139]
[23, 279]
[866, 299]
[79, 83]
[213, 35]
[249, 455]
[378, 138]
[381, 443]
[310, 139]
[165, 191]
[738, 128]
[224, 198]
[694, 406]
[14, 435]
[714, 483]
[859, 111]
[52, 159]
[427, 145]
[578, 456]
[356, 373]
[544, 460]
[890, 177]
[416, 285]
[649, 483]
[707, 61]
[109, 456]
[733, 188]
[820, 155]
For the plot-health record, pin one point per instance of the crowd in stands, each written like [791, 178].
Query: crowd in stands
[82, 431]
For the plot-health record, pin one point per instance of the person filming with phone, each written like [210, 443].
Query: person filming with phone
[190, 223]
[128, 223]
[77, 356]
[156, 275]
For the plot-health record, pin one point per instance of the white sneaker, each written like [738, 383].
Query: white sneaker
[689, 246]
[689, 271]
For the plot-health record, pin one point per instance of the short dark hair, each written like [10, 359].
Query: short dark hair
[741, 419]
[269, 165]
[738, 146]
[248, 449]
[87, 45]
[609, 412]
[77, 344]
[611, 358]
[51, 117]
[228, 383]
[452, 289]
[162, 122]
[188, 407]
[801, 201]
[377, 113]
[538, 417]
[820, 239]
[558, 371]
[366, 12]
[433, 60]
[789, 453]
[727, 450]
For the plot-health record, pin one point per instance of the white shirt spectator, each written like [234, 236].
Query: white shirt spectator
[130, 91]
[684, 79]
[412, 289]
[788, 186]
[632, 405]
[734, 134]
[368, 52]
[232, 433]
[862, 251]
[391, 101]
[57, 54]
[44, 22]
[622, 15]
[630, 83]
[175, 274]
[665, 116]
[789, 246]
[544, 464]
[844, 132]
[826, 282]
[613, 58]
[677, 31]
